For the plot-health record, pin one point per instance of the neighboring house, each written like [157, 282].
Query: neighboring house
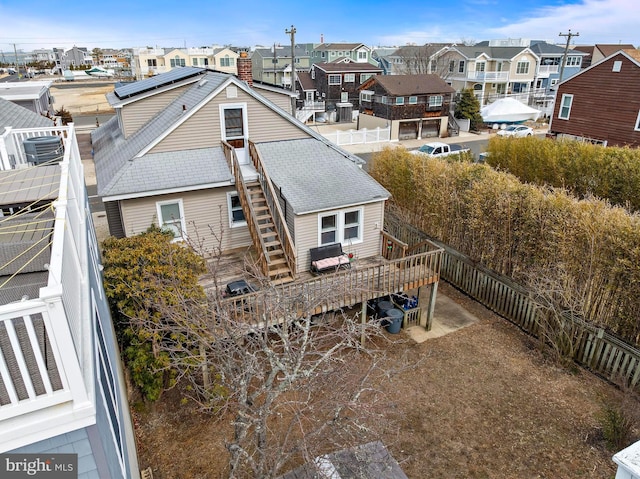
[601, 104]
[62, 387]
[337, 84]
[223, 60]
[273, 65]
[33, 95]
[310, 105]
[382, 57]
[186, 153]
[415, 106]
[15, 116]
[549, 70]
[75, 57]
[595, 53]
[154, 61]
[491, 71]
[419, 60]
[331, 52]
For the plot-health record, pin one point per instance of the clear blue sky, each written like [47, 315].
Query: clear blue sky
[117, 23]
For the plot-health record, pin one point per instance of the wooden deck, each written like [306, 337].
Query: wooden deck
[366, 279]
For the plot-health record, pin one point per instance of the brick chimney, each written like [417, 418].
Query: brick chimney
[244, 68]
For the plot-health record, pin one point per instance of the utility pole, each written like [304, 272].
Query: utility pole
[292, 33]
[566, 49]
[15, 52]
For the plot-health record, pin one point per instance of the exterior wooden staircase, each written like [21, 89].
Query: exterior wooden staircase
[278, 269]
[265, 219]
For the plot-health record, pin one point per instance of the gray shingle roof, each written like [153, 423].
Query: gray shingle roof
[505, 53]
[168, 170]
[112, 151]
[315, 177]
[17, 116]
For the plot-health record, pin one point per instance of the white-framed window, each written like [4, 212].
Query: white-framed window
[480, 66]
[362, 55]
[617, 66]
[452, 66]
[177, 62]
[433, 66]
[171, 218]
[553, 81]
[522, 67]
[194, 62]
[328, 228]
[565, 106]
[574, 61]
[637, 128]
[349, 77]
[236, 215]
[383, 99]
[399, 100]
[344, 227]
[413, 100]
[335, 79]
[365, 76]
[435, 100]
[226, 61]
[366, 95]
[313, 73]
[344, 96]
[461, 66]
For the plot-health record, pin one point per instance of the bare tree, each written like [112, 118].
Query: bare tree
[295, 384]
[425, 59]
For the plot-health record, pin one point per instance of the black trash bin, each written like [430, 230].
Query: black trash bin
[393, 320]
[383, 307]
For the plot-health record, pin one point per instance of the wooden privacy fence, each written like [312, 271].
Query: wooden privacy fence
[592, 347]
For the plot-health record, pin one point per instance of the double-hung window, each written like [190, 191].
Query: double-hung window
[522, 67]
[171, 218]
[344, 227]
[236, 215]
[565, 106]
[349, 77]
[335, 79]
[399, 100]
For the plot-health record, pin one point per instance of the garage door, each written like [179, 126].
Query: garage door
[430, 129]
[408, 130]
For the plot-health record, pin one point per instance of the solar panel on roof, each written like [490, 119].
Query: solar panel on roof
[172, 76]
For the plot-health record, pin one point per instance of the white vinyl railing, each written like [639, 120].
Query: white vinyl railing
[357, 137]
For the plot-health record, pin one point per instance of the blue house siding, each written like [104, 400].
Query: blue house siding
[72, 442]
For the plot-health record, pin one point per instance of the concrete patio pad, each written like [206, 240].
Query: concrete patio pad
[449, 316]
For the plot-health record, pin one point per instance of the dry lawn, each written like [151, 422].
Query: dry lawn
[82, 99]
[483, 402]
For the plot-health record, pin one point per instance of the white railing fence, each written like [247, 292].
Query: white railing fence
[357, 137]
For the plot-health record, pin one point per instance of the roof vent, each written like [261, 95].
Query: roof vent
[43, 149]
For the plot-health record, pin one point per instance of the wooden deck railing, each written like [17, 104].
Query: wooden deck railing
[243, 193]
[274, 205]
[333, 291]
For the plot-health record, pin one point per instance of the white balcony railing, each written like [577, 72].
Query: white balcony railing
[488, 76]
[46, 355]
[546, 70]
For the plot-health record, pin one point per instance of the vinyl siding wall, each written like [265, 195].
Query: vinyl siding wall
[605, 104]
[279, 99]
[202, 208]
[306, 227]
[202, 130]
[136, 114]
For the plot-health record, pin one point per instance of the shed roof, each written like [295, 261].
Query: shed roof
[17, 116]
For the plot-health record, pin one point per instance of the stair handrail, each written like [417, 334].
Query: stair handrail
[243, 193]
[274, 205]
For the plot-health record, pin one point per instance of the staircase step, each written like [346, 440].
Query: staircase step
[269, 244]
[275, 252]
[279, 271]
[277, 261]
[266, 225]
[263, 217]
[261, 208]
[282, 280]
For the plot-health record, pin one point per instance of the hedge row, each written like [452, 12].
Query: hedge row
[582, 168]
[525, 231]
